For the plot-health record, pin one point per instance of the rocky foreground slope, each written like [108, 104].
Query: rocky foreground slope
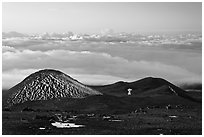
[47, 84]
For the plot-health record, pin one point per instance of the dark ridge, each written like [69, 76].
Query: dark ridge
[146, 87]
[193, 86]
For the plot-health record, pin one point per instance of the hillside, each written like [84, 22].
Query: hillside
[47, 84]
[147, 87]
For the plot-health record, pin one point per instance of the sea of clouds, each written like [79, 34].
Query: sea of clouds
[103, 58]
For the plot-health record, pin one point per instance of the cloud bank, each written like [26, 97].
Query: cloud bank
[98, 62]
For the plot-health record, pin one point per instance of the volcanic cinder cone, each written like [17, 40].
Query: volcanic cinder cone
[47, 84]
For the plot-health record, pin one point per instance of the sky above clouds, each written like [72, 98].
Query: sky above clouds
[92, 17]
[105, 55]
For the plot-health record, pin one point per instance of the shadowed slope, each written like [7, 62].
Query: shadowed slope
[147, 87]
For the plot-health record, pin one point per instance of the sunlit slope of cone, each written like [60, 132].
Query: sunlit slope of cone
[47, 84]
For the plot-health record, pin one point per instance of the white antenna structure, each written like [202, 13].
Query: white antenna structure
[129, 91]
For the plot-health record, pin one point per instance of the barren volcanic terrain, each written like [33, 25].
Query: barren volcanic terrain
[51, 102]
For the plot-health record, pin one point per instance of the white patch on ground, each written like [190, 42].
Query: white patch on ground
[116, 120]
[42, 128]
[66, 125]
[106, 117]
[173, 116]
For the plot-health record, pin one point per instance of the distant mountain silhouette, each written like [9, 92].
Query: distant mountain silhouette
[47, 84]
[147, 87]
[13, 34]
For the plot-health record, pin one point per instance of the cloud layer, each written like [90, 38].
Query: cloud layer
[97, 62]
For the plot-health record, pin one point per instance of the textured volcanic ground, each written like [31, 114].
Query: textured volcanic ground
[148, 106]
[48, 84]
